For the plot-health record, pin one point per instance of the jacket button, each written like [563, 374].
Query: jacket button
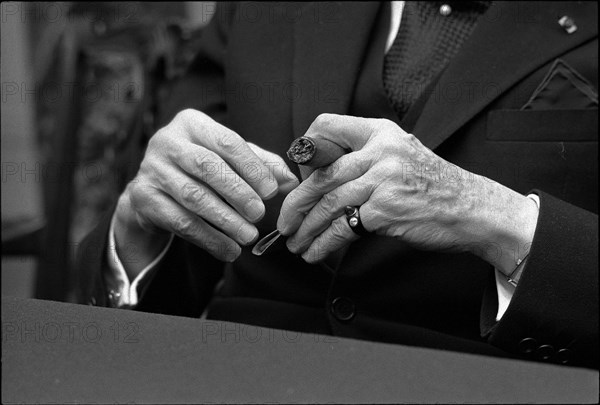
[544, 352]
[527, 345]
[563, 356]
[113, 297]
[343, 308]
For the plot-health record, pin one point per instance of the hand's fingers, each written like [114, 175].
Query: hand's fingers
[335, 237]
[369, 216]
[286, 180]
[329, 207]
[208, 167]
[232, 148]
[347, 131]
[163, 212]
[347, 168]
[203, 202]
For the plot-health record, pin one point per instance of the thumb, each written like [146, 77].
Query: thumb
[348, 132]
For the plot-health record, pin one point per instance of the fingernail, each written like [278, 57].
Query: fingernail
[273, 192]
[291, 179]
[255, 209]
[292, 247]
[247, 234]
[306, 257]
[281, 224]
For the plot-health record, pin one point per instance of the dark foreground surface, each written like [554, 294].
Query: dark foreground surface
[64, 353]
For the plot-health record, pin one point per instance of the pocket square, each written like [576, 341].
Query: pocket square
[563, 88]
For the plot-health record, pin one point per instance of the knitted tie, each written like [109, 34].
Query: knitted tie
[430, 34]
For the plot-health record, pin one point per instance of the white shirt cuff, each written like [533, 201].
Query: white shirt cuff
[504, 289]
[121, 292]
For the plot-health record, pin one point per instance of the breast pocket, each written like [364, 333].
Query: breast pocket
[552, 150]
[542, 125]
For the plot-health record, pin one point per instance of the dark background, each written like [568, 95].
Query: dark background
[31, 35]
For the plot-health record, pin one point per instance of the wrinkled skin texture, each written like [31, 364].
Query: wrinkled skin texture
[191, 168]
[404, 191]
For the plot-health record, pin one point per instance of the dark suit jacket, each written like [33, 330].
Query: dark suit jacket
[267, 71]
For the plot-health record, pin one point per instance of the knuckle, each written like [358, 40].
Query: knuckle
[387, 124]
[220, 219]
[393, 165]
[192, 195]
[363, 162]
[410, 137]
[205, 164]
[221, 249]
[185, 116]
[258, 173]
[324, 247]
[213, 246]
[383, 126]
[185, 226]
[330, 202]
[338, 228]
[323, 119]
[229, 143]
[199, 158]
[239, 190]
[156, 139]
[326, 174]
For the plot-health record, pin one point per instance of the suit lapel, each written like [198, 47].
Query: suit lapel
[330, 40]
[508, 43]
[511, 41]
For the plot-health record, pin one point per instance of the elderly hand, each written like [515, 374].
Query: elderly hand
[202, 182]
[404, 191]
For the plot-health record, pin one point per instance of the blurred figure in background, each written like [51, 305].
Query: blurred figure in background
[99, 69]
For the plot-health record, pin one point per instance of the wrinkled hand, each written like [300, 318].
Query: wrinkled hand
[197, 172]
[404, 191]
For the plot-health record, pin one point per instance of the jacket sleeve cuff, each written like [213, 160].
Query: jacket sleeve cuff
[553, 314]
[122, 292]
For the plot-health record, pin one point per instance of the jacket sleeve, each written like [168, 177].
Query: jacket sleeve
[553, 314]
[182, 285]
[185, 279]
